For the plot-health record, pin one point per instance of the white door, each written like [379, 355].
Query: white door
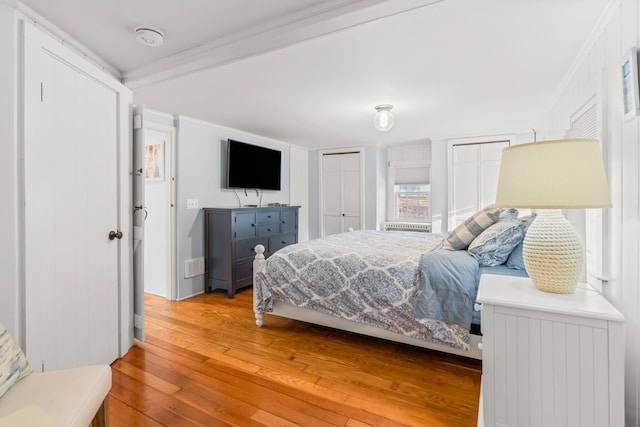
[474, 178]
[71, 209]
[341, 192]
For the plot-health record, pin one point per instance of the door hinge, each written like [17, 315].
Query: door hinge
[41, 92]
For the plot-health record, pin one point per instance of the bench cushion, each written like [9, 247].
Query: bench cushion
[71, 396]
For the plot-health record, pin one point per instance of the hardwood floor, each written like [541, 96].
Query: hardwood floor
[204, 362]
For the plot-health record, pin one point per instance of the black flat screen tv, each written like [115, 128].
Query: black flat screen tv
[252, 167]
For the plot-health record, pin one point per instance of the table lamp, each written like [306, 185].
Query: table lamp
[550, 176]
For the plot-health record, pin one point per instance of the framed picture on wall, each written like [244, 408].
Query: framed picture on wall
[629, 68]
[154, 161]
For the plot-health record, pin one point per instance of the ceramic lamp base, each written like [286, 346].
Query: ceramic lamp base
[552, 253]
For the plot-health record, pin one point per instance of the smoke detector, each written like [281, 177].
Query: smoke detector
[149, 36]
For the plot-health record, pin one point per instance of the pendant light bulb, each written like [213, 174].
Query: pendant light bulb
[383, 119]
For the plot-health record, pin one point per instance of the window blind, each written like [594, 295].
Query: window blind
[412, 175]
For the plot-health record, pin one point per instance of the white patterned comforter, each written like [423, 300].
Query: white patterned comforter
[368, 277]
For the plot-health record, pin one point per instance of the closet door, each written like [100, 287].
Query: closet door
[474, 178]
[341, 192]
[71, 206]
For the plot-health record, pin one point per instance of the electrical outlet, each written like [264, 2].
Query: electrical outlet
[192, 203]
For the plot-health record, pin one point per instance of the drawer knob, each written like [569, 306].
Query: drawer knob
[253, 225]
[477, 307]
[480, 346]
[268, 229]
[283, 242]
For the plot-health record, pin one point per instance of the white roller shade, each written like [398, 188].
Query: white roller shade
[411, 175]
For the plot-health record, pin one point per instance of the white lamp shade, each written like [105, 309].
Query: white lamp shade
[562, 174]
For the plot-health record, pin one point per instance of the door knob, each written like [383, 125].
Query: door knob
[115, 235]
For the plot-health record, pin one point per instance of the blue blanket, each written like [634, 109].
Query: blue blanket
[446, 287]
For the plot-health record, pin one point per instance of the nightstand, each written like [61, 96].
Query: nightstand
[549, 359]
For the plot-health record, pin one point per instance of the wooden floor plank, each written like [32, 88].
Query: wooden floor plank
[204, 362]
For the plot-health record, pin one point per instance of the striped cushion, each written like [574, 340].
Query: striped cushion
[463, 235]
[13, 363]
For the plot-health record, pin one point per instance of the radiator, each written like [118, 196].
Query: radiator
[408, 226]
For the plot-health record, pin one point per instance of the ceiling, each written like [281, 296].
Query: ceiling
[310, 72]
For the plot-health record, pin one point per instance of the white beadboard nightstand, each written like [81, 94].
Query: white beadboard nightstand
[549, 359]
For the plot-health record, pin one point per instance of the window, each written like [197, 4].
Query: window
[409, 192]
[412, 202]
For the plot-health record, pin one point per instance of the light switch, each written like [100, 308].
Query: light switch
[192, 203]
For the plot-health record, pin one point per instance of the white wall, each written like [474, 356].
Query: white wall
[200, 174]
[375, 179]
[12, 300]
[299, 188]
[439, 186]
[155, 226]
[598, 74]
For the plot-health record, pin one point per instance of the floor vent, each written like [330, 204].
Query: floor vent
[407, 226]
[193, 267]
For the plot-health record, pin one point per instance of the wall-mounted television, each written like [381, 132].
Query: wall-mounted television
[252, 167]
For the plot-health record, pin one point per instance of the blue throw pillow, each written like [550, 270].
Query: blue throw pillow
[508, 213]
[515, 260]
[494, 245]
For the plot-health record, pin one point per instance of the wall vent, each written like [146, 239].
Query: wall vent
[407, 226]
[193, 267]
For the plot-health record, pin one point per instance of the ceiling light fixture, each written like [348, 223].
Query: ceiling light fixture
[383, 120]
[149, 36]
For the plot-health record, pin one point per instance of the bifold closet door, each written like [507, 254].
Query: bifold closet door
[341, 189]
[475, 170]
[71, 205]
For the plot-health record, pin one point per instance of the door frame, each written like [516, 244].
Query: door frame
[170, 208]
[321, 154]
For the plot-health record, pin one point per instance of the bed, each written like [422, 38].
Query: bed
[396, 285]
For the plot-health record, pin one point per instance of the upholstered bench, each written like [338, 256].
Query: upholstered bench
[74, 397]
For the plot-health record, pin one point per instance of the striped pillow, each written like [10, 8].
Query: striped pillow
[463, 235]
[13, 363]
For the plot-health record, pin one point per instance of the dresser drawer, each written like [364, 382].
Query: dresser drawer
[268, 216]
[245, 248]
[279, 242]
[265, 230]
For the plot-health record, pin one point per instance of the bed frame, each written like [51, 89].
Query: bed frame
[305, 315]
